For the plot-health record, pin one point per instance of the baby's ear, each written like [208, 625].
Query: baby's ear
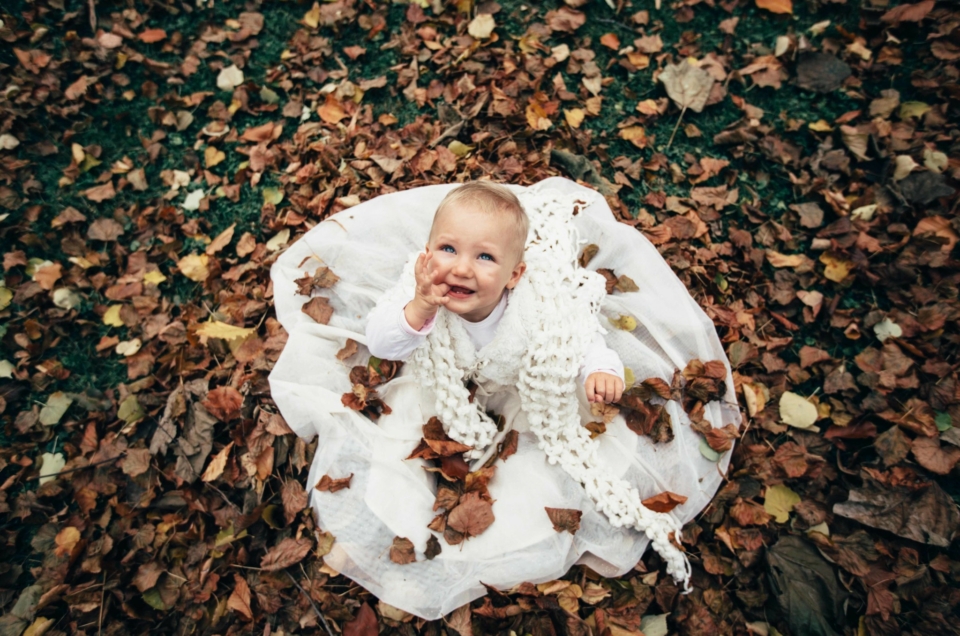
[515, 275]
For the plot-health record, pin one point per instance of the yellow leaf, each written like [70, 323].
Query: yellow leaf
[217, 464]
[635, 135]
[786, 260]
[112, 316]
[820, 125]
[797, 411]
[913, 109]
[212, 156]
[272, 195]
[836, 268]
[629, 379]
[5, 297]
[776, 6]
[39, 626]
[217, 329]
[66, 540]
[154, 278]
[279, 240]
[312, 17]
[641, 61]
[648, 107]
[194, 267]
[627, 323]
[459, 148]
[574, 117]
[779, 502]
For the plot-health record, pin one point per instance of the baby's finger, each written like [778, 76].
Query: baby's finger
[607, 390]
[618, 391]
[588, 387]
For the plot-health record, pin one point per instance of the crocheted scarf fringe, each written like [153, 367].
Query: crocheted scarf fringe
[565, 302]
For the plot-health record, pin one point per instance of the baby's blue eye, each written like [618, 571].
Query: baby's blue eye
[448, 248]
[486, 257]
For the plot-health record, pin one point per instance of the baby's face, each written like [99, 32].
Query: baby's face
[475, 255]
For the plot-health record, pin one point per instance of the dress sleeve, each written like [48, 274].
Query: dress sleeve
[389, 335]
[600, 358]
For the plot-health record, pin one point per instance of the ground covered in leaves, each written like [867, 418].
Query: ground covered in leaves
[794, 162]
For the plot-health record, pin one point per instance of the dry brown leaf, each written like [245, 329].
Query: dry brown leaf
[687, 85]
[329, 484]
[223, 239]
[286, 553]
[933, 457]
[564, 519]
[224, 403]
[319, 309]
[239, 600]
[217, 464]
[664, 502]
[401, 551]
[349, 349]
[472, 516]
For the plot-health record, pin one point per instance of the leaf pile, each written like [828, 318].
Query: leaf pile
[796, 163]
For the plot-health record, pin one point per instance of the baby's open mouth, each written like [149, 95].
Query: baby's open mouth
[460, 291]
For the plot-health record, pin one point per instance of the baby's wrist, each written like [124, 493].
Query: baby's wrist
[419, 313]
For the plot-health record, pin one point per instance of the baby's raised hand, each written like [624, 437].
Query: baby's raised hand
[603, 387]
[430, 293]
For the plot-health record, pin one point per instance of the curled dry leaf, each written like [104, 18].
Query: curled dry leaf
[329, 484]
[664, 502]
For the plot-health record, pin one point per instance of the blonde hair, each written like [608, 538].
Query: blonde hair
[490, 198]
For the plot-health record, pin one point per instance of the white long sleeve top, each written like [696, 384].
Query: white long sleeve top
[391, 337]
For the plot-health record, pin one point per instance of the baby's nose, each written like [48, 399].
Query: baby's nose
[461, 267]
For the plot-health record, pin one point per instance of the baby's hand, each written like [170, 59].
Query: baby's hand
[603, 387]
[430, 293]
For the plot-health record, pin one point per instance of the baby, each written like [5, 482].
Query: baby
[473, 258]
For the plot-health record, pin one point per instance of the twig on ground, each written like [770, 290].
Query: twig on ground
[312, 604]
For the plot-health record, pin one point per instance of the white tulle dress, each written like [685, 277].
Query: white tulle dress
[367, 247]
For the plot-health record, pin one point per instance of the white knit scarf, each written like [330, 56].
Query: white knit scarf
[559, 302]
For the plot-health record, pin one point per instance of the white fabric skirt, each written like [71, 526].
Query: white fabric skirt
[367, 246]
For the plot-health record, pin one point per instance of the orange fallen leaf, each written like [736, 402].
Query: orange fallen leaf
[152, 35]
[664, 502]
[776, 6]
[611, 41]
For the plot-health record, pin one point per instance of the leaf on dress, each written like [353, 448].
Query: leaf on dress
[472, 516]
[319, 309]
[349, 349]
[565, 519]
[588, 253]
[664, 502]
[509, 445]
[433, 548]
[329, 484]
[322, 278]
[401, 551]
